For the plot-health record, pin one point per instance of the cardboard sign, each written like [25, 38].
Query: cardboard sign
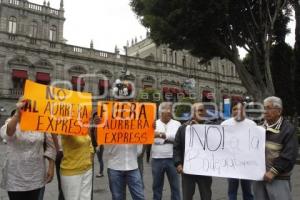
[126, 123]
[55, 110]
[225, 151]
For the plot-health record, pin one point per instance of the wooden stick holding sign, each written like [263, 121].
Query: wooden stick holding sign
[126, 122]
[55, 110]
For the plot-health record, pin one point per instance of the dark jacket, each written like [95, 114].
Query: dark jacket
[282, 150]
[179, 144]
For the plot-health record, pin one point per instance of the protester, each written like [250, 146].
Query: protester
[162, 153]
[25, 172]
[140, 161]
[123, 170]
[99, 149]
[281, 154]
[239, 120]
[189, 181]
[99, 152]
[59, 157]
[11, 115]
[76, 167]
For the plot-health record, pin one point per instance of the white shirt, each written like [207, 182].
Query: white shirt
[24, 166]
[232, 121]
[123, 157]
[159, 149]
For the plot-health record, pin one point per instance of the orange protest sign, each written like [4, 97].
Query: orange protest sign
[126, 122]
[55, 110]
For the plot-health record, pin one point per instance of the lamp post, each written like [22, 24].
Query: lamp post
[121, 88]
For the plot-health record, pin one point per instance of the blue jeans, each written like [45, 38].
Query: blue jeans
[99, 153]
[159, 168]
[233, 185]
[42, 192]
[118, 180]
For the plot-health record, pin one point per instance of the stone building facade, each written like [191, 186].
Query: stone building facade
[32, 47]
[215, 80]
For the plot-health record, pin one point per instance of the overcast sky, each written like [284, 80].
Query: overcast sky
[106, 22]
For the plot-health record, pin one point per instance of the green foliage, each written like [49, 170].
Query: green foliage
[150, 95]
[282, 60]
[207, 28]
[210, 28]
[184, 108]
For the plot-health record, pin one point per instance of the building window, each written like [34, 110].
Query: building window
[183, 61]
[223, 70]
[77, 83]
[171, 56]
[43, 78]
[33, 29]
[164, 55]
[207, 96]
[52, 33]
[175, 58]
[19, 77]
[103, 86]
[12, 25]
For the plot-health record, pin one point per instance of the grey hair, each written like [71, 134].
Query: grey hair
[163, 105]
[276, 101]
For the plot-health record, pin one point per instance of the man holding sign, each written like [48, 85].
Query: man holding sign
[281, 154]
[239, 119]
[189, 181]
[65, 112]
[25, 172]
[124, 127]
[162, 153]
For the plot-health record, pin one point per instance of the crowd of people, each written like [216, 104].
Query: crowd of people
[32, 157]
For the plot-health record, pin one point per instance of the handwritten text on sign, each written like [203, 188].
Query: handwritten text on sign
[126, 123]
[55, 110]
[225, 151]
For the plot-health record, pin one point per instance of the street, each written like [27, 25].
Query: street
[101, 188]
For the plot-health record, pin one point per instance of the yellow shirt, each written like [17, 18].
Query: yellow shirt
[77, 155]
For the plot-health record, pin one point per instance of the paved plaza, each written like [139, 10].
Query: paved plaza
[101, 189]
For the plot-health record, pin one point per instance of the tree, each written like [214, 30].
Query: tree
[210, 28]
[296, 69]
[282, 62]
[282, 58]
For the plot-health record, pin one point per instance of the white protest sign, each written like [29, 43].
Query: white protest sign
[225, 151]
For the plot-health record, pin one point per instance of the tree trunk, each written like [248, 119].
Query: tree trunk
[251, 83]
[254, 82]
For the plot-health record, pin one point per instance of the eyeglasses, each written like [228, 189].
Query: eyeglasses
[268, 108]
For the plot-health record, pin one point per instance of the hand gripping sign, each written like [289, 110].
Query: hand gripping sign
[126, 122]
[225, 151]
[55, 110]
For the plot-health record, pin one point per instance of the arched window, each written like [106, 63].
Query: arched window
[12, 25]
[33, 29]
[183, 60]
[52, 33]
[223, 70]
[175, 58]
[164, 55]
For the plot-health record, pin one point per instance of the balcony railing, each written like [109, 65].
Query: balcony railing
[14, 2]
[31, 6]
[15, 91]
[34, 6]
